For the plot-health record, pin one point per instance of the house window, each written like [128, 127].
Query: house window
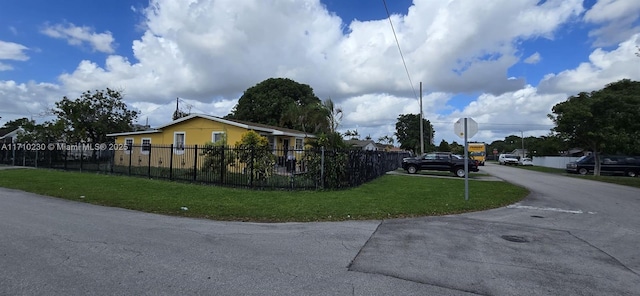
[299, 144]
[146, 146]
[217, 137]
[178, 142]
[128, 142]
[272, 145]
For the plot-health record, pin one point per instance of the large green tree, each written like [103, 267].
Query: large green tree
[549, 145]
[33, 132]
[545, 145]
[281, 102]
[444, 146]
[408, 132]
[92, 116]
[47, 132]
[12, 125]
[457, 148]
[604, 121]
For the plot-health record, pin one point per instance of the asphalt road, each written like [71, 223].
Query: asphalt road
[570, 237]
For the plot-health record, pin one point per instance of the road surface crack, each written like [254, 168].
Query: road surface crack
[364, 245]
[604, 252]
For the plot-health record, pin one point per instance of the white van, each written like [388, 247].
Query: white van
[508, 159]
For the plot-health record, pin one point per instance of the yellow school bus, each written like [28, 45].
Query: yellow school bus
[478, 152]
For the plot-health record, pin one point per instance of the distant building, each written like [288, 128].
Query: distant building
[362, 144]
[575, 152]
[140, 127]
[520, 152]
[9, 136]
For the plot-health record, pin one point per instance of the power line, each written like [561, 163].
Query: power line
[154, 109]
[499, 123]
[191, 106]
[506, 124]
[399, 49]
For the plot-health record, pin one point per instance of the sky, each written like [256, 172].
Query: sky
[502, 63]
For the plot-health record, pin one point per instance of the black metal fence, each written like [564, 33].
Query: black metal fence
[218, 165]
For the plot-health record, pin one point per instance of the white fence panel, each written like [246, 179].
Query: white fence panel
[559, 162]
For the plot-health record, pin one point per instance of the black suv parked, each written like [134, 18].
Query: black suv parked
[438, 161]
[609, 164]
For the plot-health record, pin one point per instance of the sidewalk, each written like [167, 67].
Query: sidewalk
[9, 167]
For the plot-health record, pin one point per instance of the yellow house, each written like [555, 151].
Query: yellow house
[174, 143]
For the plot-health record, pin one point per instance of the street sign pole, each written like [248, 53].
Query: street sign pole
[465, 128]
[466, 163]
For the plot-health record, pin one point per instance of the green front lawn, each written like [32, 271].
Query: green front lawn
[620, 180]
[390, 196]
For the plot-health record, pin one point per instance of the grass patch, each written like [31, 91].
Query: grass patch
[390, 196]
[442, 173]
[618, 179]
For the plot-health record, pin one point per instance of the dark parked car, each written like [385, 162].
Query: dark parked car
[438, 161]
[609, 164]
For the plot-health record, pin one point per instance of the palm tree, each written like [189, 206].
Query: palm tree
[318, 118]
[386, 140]
[334, 114]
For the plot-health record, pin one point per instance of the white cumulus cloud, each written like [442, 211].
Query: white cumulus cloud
[81, 35]
[13, 51]
[533, 59]
[618, 17]
[208, 52]
[602, 68]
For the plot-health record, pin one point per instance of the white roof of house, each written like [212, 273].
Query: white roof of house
[12, 133]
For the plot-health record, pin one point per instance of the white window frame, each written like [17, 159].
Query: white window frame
[272, 143]
[142, 146]
[176, 148]
[301, 146]
[126, 144]
[213, 136]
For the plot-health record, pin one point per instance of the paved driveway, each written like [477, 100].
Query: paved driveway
[570, 237]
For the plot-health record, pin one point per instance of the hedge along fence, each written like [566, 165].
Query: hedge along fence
[242, 167]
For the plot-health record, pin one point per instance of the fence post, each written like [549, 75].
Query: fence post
[223, 169]
[171, 162]
[149, 163]
[81, 155]
[113, 160]
[322, 167]
[50, 157]
[251, 167]
[36, 160]
[195, 161]
[130, 149]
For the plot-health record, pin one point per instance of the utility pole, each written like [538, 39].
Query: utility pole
[421, 124]
[522, 137]
[177, 113]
